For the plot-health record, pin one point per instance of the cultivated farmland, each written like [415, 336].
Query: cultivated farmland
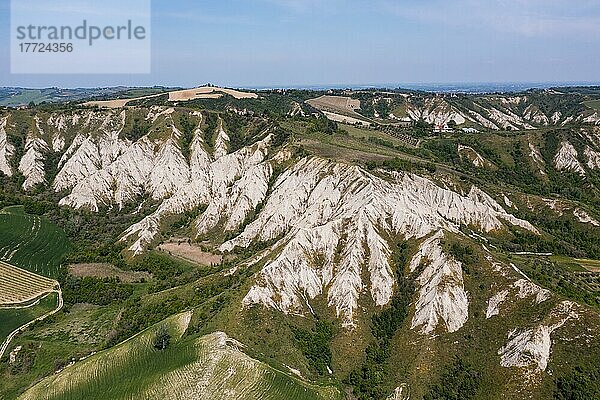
[31, 242]
[339, 109]
[210, 367]
[339, 104]
[20, 286]
[204, 92]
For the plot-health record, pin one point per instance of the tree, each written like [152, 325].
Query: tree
[460, 381]
[162, 339]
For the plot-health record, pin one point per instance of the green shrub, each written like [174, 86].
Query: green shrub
[459, 382]
[315, 344]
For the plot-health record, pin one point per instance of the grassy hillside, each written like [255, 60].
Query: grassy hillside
[208, 367]
[14, 97]
[31, 242]
[594, 104]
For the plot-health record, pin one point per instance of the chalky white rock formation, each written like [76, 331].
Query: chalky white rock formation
[472, 156]
[530, 348]
[585, 218]
[333, 222]
[566, 159]
[593, 158]
[231, 186]
[442, 297]
[32, 163]
[494, 303]
[6, 149]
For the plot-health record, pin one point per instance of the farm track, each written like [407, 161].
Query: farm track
[23, 327]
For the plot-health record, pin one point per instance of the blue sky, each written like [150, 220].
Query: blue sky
[312, 42]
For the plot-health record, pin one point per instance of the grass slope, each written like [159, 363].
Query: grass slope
[208, 367]
[593, 104]
[31, 242]
[12, 318]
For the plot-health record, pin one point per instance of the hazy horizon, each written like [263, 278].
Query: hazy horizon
[425, 86]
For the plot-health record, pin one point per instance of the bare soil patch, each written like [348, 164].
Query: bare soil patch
[190, 252]
[100, 270]
[335, 103]
[207, 92]
[592, 269]
[339, 109]
[118, 103]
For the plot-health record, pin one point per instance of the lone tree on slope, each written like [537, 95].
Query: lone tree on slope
[162, 339]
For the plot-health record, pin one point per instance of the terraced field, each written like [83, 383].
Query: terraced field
[210, 367]
[20, 286]
[31, 242]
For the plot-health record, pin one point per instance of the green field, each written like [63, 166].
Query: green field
[31, 242]
[400, 111]
[593, 104]
[208, 367]
[140, 92]
[578, 264]
[28, 95]
[592, 265]
[12, 318]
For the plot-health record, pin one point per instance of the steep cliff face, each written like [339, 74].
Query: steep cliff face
[32, 163]
[436, 112]
[567, 159]
[593, 158]
[80, 160]
[442, 296]
[344, 217]
[231, 186]
[530, 348]
[537, 159]
[102, 168]
[316, 209]
[6, 149]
